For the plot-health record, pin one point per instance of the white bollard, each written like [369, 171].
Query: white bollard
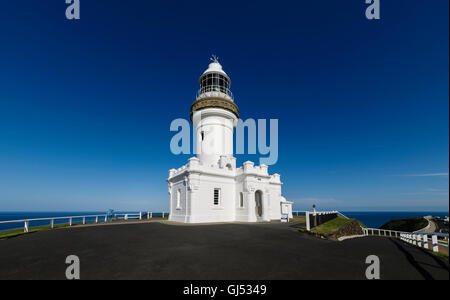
[434, 241]
[425, 241]
[308, 227]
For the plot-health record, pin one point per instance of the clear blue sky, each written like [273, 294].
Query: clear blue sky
[85, 106]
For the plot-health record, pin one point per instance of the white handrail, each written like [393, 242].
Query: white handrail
[52, 218]
[419, 239]
[126, 216]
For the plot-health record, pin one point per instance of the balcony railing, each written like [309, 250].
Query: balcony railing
[215, 90]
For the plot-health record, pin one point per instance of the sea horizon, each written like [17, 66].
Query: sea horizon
[372, 218]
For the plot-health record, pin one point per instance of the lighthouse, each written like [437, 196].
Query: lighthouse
[214, 115]
[210, 188]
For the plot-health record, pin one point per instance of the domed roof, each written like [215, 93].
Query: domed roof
[215, 67]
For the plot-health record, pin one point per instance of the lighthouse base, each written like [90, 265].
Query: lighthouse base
[223, 193]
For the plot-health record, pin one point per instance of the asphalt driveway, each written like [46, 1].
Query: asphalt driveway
[222, 251]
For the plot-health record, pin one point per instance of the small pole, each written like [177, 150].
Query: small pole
[425, 241]
[106, 218]
[52, 223]
[25, 226]
[140, 215]
[148, 215]
[163, 215]
[84, 220]
[96, 219]
[70, 221]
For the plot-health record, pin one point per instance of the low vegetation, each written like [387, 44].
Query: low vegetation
[407, 225]
[332, 225]
[17, 232]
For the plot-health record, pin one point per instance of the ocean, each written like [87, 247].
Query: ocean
[373, 219]
[376, 219]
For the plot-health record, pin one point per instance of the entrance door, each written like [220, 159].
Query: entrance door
[259, 205]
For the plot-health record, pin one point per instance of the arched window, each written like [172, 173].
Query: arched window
[178, 199]
[241, 199]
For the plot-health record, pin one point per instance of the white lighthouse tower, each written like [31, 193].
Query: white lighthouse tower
[214, 115]
[209, 188]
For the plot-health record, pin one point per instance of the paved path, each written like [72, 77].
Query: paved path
[223, 251]
[432, 225]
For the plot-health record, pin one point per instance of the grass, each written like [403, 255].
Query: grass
[298, 219]
[17, 232]
[332, 225]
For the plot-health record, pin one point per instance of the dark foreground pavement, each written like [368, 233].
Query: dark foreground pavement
[229, 251]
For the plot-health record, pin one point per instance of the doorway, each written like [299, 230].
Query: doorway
[259, 204]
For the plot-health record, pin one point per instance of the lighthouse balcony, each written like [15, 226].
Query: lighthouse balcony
[214, 91]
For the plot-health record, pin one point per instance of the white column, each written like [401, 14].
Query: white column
[425, 241]
[434, 240]
[308, 227]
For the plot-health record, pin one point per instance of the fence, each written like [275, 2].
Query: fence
[86, 219]
[420, 239]
[317, 218]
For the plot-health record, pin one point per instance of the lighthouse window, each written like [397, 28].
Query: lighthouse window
[214, 82]
[203, 135]
[241, 199]
[178, 199]
[216, 196]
